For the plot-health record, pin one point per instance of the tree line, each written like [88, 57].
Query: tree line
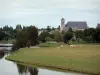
[27, 36]
[90, 35]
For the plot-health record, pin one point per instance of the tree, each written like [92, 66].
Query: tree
[96, 35]
[48, 39]
[5, 28]
[26, 37]
[79, 34]
[33, 35]
[1, 54]
[22, 42]
[43, 35]
[3, 35]
[57, 36]
[67, 36]
[18, 27]
[9, 31]
[1, 29]
[89, 32]
[70, 30]
[53, 28]
[48, 28]
[58, 28]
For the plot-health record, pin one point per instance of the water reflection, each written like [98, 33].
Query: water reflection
[1, 54]
[33, 71]
[24, 70]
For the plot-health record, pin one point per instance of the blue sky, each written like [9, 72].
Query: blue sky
[42, 13]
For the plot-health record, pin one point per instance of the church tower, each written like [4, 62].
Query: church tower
[62, 24]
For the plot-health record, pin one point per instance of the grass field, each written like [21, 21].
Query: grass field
[48, 44]
[84, 59]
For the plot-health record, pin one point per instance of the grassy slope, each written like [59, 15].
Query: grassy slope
[85, 59]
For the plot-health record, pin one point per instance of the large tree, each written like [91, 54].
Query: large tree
[43, 35]
[96, 35]
[79, 34]
[27, 36]
[21, 39]
[48, 28]
[67, 36]
[57, 36]
[33, 35]
[2, 35]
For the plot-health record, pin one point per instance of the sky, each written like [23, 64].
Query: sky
[42, 13]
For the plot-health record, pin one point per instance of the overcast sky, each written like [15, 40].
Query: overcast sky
[48, 12]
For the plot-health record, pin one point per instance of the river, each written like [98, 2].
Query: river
[12, 68]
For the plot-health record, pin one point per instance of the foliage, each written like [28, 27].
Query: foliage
[70, 30]
[89, 35]
[70, 42]
[96, 35]
[22, 42]
[57, 36]
[9, 31]
[67, 36]
[33, 35]
[53, 28]
[3, 35]
[48, 39]
[58, 28]
[49, 44]
[7, 28]
[79, 34]
[30, 33]
[48, 28]
[89, 32]
[15, 46]
[43, 35]
[27, 37]
[18, 27]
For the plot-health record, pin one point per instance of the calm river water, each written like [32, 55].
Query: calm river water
[12, 68]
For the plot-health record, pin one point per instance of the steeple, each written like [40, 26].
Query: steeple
[62, 19]
[62, 24]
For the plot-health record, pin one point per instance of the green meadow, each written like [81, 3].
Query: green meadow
[85, 58]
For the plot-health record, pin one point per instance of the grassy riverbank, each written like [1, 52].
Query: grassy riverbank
[80, 59]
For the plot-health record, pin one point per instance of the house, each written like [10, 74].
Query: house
[98, 26]
[75, 25]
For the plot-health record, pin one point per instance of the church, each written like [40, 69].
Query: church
[75, 25]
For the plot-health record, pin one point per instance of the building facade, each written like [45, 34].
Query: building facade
[75, 25]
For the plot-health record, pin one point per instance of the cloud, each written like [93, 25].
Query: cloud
[34, 5]
[82, 4]
[19, 10]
